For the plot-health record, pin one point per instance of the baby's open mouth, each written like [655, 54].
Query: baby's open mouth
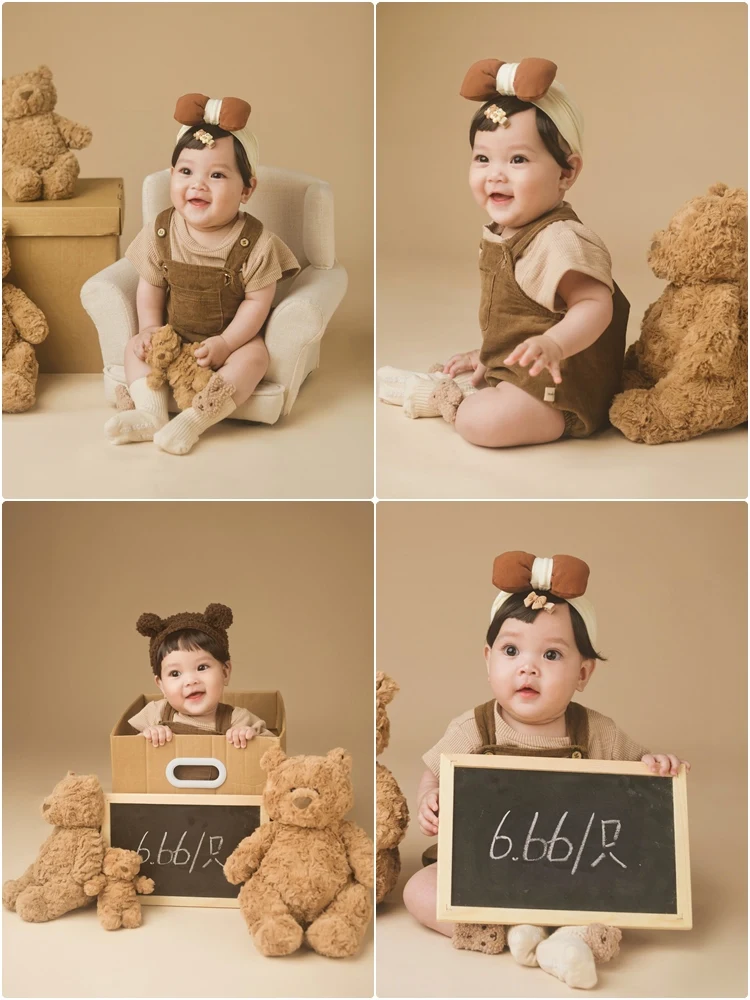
[527, 691]
[501, 198]
[197, 202]
[195, 696]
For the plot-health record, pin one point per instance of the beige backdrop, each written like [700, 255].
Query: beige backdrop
[299, 578]
[306, 69]
[668, 581]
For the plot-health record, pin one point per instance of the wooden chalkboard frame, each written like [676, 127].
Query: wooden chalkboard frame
[152, 798]
[681, 920]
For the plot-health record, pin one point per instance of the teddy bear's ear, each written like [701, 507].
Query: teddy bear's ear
[719, 189]
[340, 756]
[219, 615]
[272, 758]
[149, 624]
[45, 71]
[385, 688]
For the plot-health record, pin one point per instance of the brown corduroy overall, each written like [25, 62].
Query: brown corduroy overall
[222, 722]
[507, 317]
[202, 301]
[576, 727]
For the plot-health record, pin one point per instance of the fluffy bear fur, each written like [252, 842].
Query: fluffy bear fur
[173, 362]
[24, 324]
[116, 887]
[308, 873]
[69, 858]
[37, 142]
[687, 374]
[392, 810]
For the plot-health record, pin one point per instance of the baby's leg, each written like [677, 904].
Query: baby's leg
[230, 386]
[151, 405]
[505, 416]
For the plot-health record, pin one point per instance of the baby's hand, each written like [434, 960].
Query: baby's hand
[664, 763]
[142, 343]
[461, 363]
[543, 351]
[212, 352]
[428, 814]
[241, 735]
[159, 735]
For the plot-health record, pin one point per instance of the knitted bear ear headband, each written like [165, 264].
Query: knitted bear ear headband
[563, 576]
[531, 80]
[229, 113]
[214, 621]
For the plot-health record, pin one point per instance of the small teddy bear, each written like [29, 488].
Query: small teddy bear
[569, 953]
[116, 886]
[687, 374]
[24, 324]
[173, 362]
[308, 873]
[392, 810]
[69, 858]
[37, 142]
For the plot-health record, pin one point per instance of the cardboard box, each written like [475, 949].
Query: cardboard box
[55, 246]
[138, 766]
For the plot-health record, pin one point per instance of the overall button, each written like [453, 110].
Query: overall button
[161, 232]
[244, 242]
[576, 753]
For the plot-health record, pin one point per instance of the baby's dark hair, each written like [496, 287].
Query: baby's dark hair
[191, 639]
[188, 141]
[514, 607]
[548, 131]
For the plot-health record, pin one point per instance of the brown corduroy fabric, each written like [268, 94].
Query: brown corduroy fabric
[576, 727]
[222, 722]
[507, 317]
[202, 301]
[214, 621]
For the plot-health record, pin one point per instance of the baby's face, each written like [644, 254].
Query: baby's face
[513, 176]
[534, 669]
[206, 186]
[193, 681]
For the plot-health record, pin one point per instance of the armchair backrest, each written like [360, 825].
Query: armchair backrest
[296, 207]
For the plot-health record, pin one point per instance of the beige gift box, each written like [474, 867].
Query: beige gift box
[138, 766]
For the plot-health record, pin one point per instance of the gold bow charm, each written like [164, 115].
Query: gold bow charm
[537, 602]
[205, 137]
[497, 115]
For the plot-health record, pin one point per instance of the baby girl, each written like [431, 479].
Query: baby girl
[540, 649]
[190, 659]
[553, 321]
[209, 270]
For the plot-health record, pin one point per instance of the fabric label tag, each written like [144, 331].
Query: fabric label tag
[549, 394]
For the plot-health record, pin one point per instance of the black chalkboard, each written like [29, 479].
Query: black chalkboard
[562, 836]
[183, 840]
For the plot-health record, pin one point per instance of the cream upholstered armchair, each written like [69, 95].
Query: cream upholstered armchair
[299, 209]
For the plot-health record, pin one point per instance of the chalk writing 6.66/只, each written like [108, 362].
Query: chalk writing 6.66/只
[557, 849]
[180, 855]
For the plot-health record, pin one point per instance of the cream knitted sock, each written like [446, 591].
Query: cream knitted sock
[210, 405]
[141, 423]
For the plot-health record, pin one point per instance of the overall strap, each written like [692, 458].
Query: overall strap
[243, 246]
[223, 717]
[484, 716]
[518, 243]
[161, 231]
[167, 714]
[577, 727]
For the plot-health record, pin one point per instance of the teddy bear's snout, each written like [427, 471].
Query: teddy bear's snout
[302, 801]
[302, 797]
[25, 94]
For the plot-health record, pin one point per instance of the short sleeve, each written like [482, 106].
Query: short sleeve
[461, 736]
[558, 248]
[144, 256]
[243, 717]
[150, 715]
[270, 260]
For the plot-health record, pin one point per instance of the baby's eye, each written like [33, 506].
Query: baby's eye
[185, 170]
[217, 173]
[204, 666]
[481, 158]
[518, 159]
[553, 654]
[510, 650]
[174, 673]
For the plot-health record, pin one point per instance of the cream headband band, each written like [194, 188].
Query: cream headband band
[228, 113]
[564, 576]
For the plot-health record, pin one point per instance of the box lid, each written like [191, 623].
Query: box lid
[95, 210]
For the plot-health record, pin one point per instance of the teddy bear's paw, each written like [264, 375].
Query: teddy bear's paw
[10, 894]
[635, 415]
[59, 181]
[334, 936]
[22, 183]
[275, 936]
[523, 940]
[32, 906]
[111, 921]
[132, 917]
[18, 393]
[487, 938]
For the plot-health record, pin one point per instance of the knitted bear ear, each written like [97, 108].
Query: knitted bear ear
[341, 756]
[149, 624]
[272, 758]
[219, 615]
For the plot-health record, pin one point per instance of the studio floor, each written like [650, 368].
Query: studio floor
[426, 313]
[321, 450]
[179, 951]
[709, 961]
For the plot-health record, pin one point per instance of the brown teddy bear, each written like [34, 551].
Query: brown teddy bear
[69, 857]
[174, 362]
[687, 374]
[37, 142]
[116, 887]
[392, 810]
[23, 325]
[308, 873]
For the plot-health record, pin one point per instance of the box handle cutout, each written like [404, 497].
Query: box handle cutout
[173, 779]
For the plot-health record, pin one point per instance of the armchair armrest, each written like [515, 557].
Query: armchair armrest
[300, 320]
[109, 299]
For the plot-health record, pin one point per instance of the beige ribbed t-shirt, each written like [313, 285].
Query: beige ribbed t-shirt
[606, 741]
[151, 716]
[270, 259]
[559, 247]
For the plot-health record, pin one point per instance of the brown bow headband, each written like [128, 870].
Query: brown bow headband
[191, 109]
[532, 79]
[512, 572]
